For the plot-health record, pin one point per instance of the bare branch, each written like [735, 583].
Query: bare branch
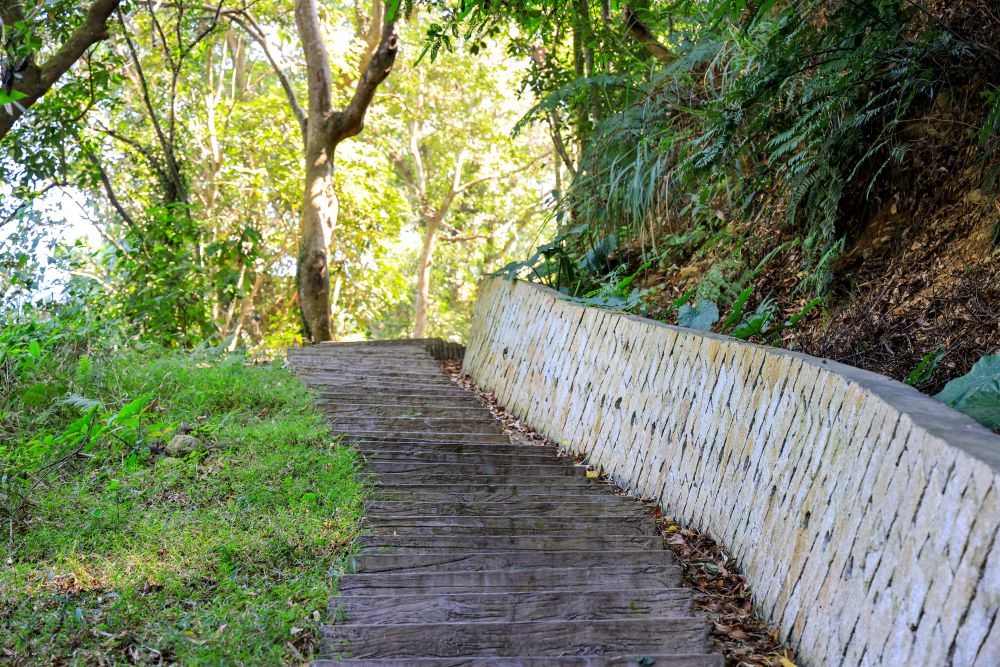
[502, 175]
[27, 200]
[145, 151]
[420, 175]
[454, 188]
[172, 168]
[372, 33]
[560, 146]
[109, 190]
[93, 276]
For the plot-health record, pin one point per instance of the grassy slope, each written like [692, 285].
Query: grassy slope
[221, 558]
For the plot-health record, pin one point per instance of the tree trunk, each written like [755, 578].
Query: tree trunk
[431, 226]
[324, 129]
[319, 215]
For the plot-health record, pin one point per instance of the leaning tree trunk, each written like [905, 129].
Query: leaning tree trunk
[424, 277]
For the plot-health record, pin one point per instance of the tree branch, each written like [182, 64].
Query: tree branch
[26, 201]
[256, 34]
[560, 146]
[317, 60]
[506, 174]
[109, 190]
[640, 33]
[372, 33]
[351, 120]
[145, 151]
[36, 80]
[173, 170]
[420, 176]
[454, 188]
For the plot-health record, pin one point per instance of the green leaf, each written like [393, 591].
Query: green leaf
[12, 96]
[81, 402]
[737, 312]
[133, 408]
[977, 394]
[702, 315]
[393, 8]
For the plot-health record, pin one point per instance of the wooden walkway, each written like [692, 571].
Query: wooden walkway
[483, 552]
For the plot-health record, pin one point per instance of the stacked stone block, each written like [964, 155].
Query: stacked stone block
[863, 513]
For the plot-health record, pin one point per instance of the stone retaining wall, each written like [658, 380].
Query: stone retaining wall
[864, 514]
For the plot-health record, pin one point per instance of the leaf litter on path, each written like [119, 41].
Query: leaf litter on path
[721, 591]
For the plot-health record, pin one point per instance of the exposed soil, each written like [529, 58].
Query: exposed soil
[919, 274]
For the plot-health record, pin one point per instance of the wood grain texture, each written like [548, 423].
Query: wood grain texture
[473, 562]
[477, 550]
[645, 660]
[562, 637]
[587, 604]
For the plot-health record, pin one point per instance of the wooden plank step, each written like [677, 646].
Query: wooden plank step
[374, 543]
[471, 561]
[597, 506]
[418, 470]
[607, 577]
[416, 436]
[654, 635]
[344, 391]
[645, 660]
[526, 494]
[475, 458]
[373, 368]
[510, 525]
[409, 399]
[392, 410]
[588, 604]
[345, 384]
[507, 449]
[434, 424]
[421, 371]
[462, 413]
[511, 490]
[395, 480]
[373, 442]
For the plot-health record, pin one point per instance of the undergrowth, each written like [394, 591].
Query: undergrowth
[116, 552]
[818, 175]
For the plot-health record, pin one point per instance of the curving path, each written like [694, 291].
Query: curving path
[479, 551]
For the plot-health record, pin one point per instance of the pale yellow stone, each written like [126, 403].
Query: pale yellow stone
[719, 424]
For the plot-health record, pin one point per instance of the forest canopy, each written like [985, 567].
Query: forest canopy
[175, 148]
[270, 172]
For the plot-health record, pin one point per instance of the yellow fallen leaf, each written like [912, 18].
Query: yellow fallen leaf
[785, 662]
[593, 474]
[674, 529]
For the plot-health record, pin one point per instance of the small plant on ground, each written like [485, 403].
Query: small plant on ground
[924, 370]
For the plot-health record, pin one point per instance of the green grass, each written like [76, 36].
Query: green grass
[126, 555]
